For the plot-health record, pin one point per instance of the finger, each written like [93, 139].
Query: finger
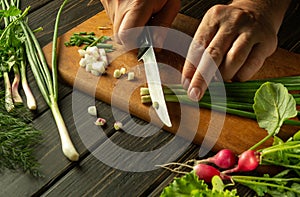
[221, 43]
[236, 56]
[137, 16]
[202, 76]
[209, 62]
[202, 37]
[253, 63]
[193, 58]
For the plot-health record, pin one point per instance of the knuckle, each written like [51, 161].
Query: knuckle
[127, 36]
[235, 56]
[240, 15]
[122, 35]
[197, 44]
[216, 10]
[199, 81]
[215, 53]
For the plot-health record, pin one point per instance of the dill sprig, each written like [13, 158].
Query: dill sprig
[18, 138]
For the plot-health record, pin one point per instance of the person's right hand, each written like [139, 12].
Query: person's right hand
[127, 14]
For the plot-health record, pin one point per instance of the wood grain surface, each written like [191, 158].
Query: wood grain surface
[193, 123]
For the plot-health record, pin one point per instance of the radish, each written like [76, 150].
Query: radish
[248, 161]
[206, 172]
[225, 159]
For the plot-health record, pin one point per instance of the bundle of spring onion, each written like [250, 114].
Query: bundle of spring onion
[238, 99]
[47, 83]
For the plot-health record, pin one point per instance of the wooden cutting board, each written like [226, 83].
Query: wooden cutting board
[235, 132]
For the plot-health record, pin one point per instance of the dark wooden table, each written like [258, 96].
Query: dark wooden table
[89, 176]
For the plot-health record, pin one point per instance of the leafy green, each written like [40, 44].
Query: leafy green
[17, 135]
[296, 136]
[217, 183]
[12, 11]
[273, 105]
[286, 154]
[190, 186]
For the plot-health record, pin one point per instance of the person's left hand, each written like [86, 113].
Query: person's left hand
[234, 38]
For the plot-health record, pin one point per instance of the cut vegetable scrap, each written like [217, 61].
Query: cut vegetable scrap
[123, 70]
[155, 105]
[87, 39]
[100, 122]
[94, 60]
[118, 125]
[104, 28]
[117, 73]
[130, 76]
[92, 110]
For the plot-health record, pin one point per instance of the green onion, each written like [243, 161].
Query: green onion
[17, 99]
[237, 101]
[48, 85]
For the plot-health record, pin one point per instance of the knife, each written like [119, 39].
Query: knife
[146, 53]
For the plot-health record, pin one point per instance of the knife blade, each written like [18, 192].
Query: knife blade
[147, 54]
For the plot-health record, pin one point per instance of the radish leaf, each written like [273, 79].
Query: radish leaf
[272, 106]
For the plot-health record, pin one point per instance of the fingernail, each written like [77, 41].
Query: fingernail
[194, 94]
[186, 83]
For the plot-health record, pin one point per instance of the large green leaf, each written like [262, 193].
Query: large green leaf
[273, 105]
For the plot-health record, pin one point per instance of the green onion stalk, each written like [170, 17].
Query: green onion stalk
[17, 99]
[47, 81]
[9, 104]
[31, 102]
[239, 96]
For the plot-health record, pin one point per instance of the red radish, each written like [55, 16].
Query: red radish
[248, 161]
[223, 159]
[206, 172]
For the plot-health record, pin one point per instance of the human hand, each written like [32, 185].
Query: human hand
[234, 38]
[126, 14]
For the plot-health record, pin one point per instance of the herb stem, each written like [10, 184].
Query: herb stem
[250, 182]
[262, 141]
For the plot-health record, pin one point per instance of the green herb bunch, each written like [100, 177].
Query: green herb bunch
[17, 135]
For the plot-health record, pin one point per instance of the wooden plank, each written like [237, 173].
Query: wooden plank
[49, 154]
[98, 178]
[34, 5]
[71, 16]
